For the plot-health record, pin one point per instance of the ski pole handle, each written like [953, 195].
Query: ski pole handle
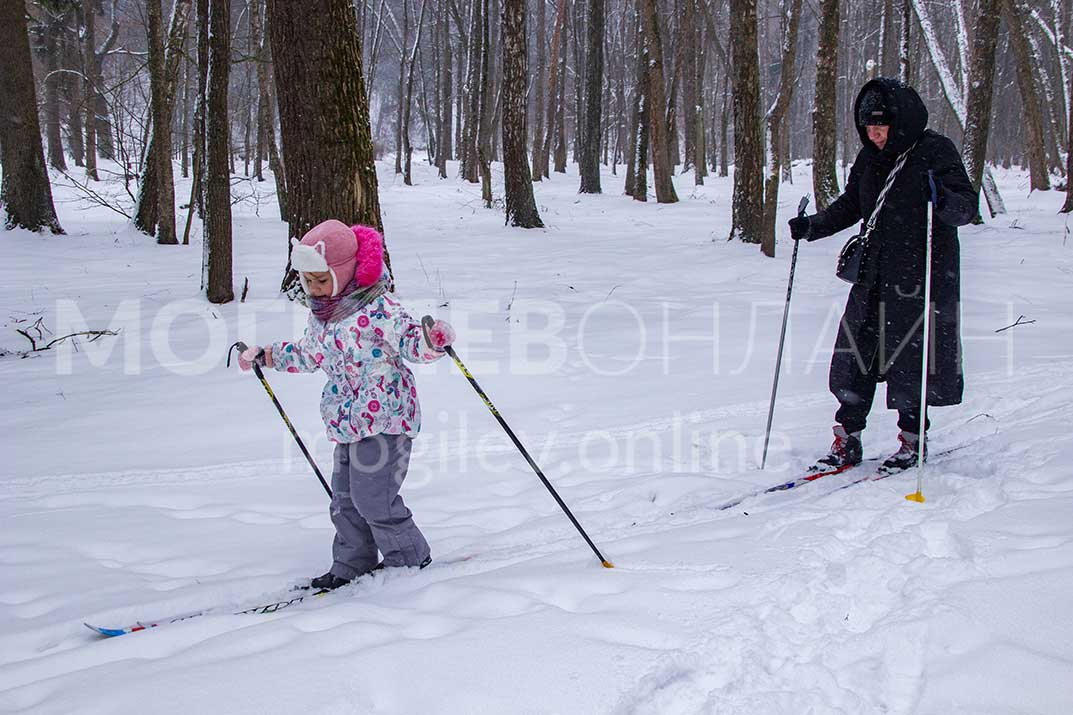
[802, 205]
[933, 187]
[426, 327]
[258, 359]
[242, 347]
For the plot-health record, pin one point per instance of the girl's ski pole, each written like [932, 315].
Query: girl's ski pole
[286, 420]
[801, 206]
[426, 324]
[933, 199]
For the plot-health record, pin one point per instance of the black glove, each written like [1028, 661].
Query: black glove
[940, 194]
[800, 227]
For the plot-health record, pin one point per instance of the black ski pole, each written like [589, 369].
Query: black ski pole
[801, 206]
[286, 420]
[426, 323]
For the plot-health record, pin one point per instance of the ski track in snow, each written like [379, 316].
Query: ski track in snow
[170, 494]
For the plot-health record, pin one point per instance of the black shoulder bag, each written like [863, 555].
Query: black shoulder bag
[851, 258]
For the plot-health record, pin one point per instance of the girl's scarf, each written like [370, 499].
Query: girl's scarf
[349, 301]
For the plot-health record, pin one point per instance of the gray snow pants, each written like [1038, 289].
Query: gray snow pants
[366, 508]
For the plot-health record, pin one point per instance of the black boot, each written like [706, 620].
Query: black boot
[906, 456]
[846, 452]
[328, 582]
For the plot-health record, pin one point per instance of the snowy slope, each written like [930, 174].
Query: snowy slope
[632, 348]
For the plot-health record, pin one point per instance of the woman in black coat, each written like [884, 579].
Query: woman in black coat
[880, 337]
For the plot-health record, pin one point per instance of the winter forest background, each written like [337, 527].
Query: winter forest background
[646, 87]
[594, 193]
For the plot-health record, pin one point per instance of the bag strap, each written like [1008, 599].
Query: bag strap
[874, 218]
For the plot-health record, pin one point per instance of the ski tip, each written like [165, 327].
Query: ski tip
[106, 632]
[915, 496]
[607, 564]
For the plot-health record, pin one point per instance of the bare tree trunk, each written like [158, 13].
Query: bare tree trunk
[981, 83]
[25, 193]
[1067, 207]
[161, 155]
[201, 108]
[73, 92]
[673, 157]
[539, 164]
[888, 53]
[1053, 106]
[329, 163]
[637, 171]
[657, 112]
[904, 52]
[688, 50]
[472, 96]
[775, 128]
[217, 269]
[748, 201]
[101, 111]
[554, 93]
[495, 53]
[410, 60]
[53, 79]
[518, 184]
[429, 120]
[785, 154]
[184, 130]
[622, 121]
[460, 98]
[445, 131]
[700, 166]
[400, 109]
[247, 121]
[824, 126]
[724, 141]
[90, 87]
[578, 75]
[560, 112]
[1014, 14]
[257, 40]
[150, 189]
[275, 162]
[594, 74]
[485, 108]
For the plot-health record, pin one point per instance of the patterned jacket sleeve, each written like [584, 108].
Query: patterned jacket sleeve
[296, 356]
[844, 211]
[958, 202]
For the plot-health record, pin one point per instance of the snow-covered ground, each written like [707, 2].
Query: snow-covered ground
[632, 348]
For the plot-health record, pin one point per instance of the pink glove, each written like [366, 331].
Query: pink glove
[251, 356]
[440, 335]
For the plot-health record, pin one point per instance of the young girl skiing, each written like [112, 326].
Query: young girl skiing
[359, 334]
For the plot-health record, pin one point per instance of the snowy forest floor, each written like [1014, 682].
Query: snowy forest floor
[632, 348]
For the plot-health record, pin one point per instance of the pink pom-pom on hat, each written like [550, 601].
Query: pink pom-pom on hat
[370, 255]
[346, 252]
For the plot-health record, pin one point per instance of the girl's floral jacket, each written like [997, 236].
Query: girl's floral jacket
[370, 390]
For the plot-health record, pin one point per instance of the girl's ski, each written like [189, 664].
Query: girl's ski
[286, 599]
